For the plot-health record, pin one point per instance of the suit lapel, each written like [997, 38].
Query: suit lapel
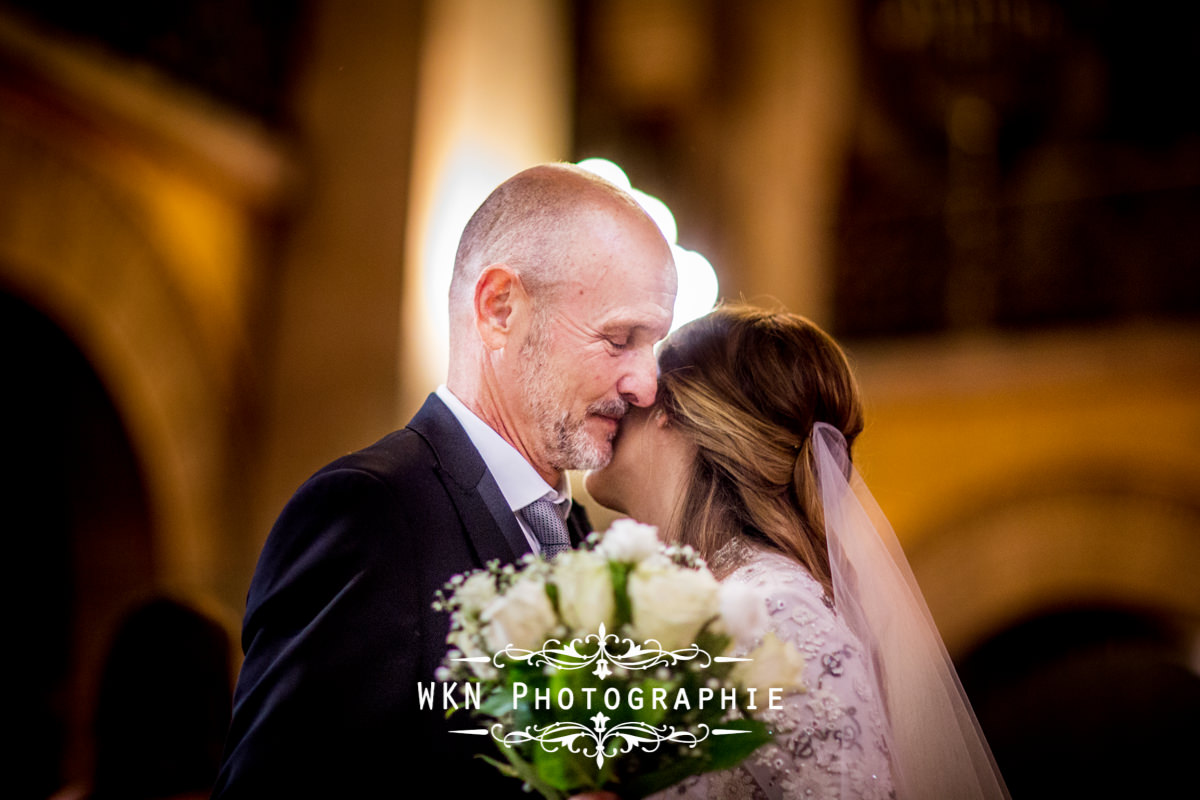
[487, 520]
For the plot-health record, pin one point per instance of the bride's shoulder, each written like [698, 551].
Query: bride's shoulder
[798, 611]
[782, 582]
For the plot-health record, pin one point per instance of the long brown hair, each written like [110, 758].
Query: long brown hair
[746, 385]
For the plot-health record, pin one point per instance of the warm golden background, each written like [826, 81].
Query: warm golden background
[221, 222]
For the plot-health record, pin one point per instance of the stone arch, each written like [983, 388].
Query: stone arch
[76, 505]
[80, 248]
[1072, 541]
[1073, 612]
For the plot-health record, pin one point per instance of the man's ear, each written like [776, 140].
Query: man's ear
[497, 292]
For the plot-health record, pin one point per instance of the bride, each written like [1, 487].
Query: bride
[746, 456]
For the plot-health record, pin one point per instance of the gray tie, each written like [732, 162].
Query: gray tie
[549, 528]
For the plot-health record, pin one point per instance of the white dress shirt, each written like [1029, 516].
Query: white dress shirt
[519, 482]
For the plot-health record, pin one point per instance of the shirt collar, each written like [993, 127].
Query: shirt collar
[519, 482]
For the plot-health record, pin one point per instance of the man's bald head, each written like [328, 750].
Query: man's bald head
[530, 222]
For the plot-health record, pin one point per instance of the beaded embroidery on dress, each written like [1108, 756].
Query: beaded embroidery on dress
[830, 741]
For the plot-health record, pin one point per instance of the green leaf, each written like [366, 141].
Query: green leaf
[564, 770]
[496, 704]
[729, 751]
[620, 581]
[519, 768]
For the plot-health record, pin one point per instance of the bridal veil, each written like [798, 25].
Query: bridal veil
[938, 751]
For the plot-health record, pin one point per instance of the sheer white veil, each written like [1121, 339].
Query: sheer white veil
[938, 751]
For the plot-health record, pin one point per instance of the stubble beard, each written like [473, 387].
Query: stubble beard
[565, 438]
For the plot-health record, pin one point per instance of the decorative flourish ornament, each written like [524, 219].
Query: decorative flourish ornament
[636, 656]
[598, 742]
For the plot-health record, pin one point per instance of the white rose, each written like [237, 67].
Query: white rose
[671, 603]
[585, 592]
[629, 541]
[743, 613]
[777, 664]
[522, 617]
[476, 592]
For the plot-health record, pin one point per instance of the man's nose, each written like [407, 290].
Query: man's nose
[640, 381]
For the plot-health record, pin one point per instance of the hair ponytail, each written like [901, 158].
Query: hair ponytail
[747, 385]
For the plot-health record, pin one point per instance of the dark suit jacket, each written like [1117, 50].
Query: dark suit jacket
[339, 626]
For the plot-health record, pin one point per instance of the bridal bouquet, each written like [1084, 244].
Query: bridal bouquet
[610, 667]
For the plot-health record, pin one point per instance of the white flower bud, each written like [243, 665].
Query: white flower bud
[629, 542]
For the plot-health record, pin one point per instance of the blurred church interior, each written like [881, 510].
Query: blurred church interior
[223, 239]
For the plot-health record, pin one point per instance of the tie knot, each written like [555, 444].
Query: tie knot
[547, 525]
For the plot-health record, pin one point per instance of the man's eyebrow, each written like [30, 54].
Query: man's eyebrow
[628, 327]
[630, 322]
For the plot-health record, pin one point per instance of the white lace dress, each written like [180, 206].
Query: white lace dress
[830, 741]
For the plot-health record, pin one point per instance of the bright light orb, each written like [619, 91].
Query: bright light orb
[658, 212]
[698, 286]
[607, 170]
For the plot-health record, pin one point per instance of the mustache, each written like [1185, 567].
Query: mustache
[615, 408]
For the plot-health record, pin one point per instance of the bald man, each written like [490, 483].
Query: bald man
[562, 285]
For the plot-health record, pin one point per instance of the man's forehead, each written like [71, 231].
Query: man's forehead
[637, 271]
[650, 315]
